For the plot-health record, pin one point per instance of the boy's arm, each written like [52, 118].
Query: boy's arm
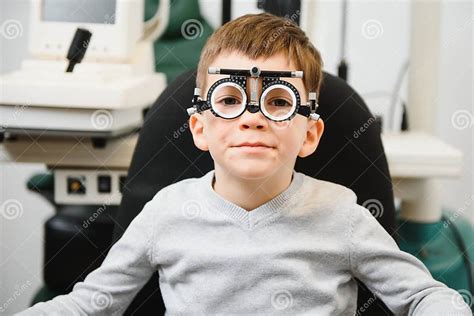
[109, 289]
[399, 279]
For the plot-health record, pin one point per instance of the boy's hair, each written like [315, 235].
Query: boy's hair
[263, 35]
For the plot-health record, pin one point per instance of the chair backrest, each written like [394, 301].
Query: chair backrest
[350, 153]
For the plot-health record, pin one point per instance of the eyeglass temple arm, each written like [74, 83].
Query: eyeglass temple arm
[313, 106]
[195, 101]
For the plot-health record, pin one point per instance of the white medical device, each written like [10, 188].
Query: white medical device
[106, 94]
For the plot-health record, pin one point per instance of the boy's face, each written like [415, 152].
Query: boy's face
[284, 140]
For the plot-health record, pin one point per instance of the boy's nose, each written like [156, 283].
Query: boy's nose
[253, 120]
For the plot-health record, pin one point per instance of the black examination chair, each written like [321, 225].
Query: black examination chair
[165, 153]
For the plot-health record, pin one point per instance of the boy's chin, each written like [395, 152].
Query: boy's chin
[252, 170]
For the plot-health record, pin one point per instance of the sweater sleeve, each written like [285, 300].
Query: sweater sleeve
[399, 279]
[110, 288]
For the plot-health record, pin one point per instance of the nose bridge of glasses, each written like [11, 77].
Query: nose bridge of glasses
[254, 89]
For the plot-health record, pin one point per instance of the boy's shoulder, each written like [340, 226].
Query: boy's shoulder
[183, 189]
[337, 203]
[324, 204]
[323, 192]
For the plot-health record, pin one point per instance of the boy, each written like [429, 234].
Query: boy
[253, 236]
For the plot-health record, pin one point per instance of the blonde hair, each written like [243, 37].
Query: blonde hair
[263, 35]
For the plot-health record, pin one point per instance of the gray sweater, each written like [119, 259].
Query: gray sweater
[298, 253]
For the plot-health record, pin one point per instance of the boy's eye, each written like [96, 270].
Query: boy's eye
[280, 102]
[229, 101]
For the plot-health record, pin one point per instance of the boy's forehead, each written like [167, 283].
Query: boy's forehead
[279, 61]
[237, 60]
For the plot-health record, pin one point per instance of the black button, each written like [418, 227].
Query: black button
[104, 184]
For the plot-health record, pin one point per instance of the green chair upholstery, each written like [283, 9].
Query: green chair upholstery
[179, 49]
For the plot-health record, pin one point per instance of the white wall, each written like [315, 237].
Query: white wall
[374, 60]
[21, 237]
[456, 106]
[21, 232]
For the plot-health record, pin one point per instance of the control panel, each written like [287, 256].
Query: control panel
[89, 187]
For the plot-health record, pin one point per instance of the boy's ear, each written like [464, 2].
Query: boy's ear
[314, 131]
[196, 126]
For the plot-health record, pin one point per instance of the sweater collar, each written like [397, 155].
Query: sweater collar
[250, 219]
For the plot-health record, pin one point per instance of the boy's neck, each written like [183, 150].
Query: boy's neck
[250, 194]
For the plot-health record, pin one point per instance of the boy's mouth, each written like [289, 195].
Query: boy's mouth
[254, 145]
